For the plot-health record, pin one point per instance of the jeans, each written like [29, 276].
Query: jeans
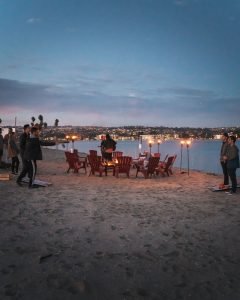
[225, 172]
[15, 164]
[233, 177]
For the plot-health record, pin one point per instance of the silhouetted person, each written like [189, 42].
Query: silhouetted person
[232, 159]
[1, 146]
[23, 140]
[222, 161]
[13, 152]
[32, 153]
[108, 146]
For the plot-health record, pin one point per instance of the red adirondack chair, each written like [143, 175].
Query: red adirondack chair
[75, 162]
[123, 165]
[150, 168]
[116, 154]
[166, 168]
[93, 152]
[95, 163]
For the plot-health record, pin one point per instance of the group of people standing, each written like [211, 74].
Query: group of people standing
[29, 150]
[229, 158]
[8, 143]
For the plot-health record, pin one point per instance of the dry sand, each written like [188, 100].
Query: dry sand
[108, 238]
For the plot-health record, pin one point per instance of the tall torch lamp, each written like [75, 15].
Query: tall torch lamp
[73, 137]
[150, 147]
[67, 138]
[181, 143]
[159, 142]
[188, 145]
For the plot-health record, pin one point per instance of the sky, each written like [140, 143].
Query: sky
[120, 62]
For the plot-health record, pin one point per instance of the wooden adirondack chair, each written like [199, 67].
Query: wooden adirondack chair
[166, 168]
[150, 168]
[75, 162]
[93, 152]
[117, 154]
[95, 163]
[123, 165]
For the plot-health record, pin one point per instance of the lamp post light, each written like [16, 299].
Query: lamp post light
[67, 138]
[188, 145]
[182, 143]
[140, 144]
[150, 147]
[73, 139]
[159, 142]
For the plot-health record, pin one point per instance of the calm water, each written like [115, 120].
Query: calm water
[203, 155]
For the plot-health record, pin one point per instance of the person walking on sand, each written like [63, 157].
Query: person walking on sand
[13, 152]
[32, 153]
[23, 140]
[224, 162]
[232, 161]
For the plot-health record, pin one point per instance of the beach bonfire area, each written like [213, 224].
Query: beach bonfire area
[92, 237]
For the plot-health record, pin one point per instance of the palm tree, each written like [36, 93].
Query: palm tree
[44, 125]
[56, 123]
[56, 139]
[0, 121]
[33, 120]
[40, 118]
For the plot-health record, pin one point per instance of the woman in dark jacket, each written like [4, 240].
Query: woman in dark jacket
[32, 153]
[232, 158]
[107, 147]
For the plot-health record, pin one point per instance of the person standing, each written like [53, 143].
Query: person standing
[224, 162]
[107, 147]
[1, 146]
[232, 161]
[32, 153]
[13, 152]
[23, 140]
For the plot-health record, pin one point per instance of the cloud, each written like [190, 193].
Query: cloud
[176, 106]
[33, 20]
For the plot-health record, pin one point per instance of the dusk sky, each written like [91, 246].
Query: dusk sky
[121, 62]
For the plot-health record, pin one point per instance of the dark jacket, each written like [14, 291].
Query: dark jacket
[22, 142]
[33, 149]
[223, 151]
[108, 144]
[233, 157]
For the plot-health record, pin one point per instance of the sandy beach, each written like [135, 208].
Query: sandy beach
[118, 238]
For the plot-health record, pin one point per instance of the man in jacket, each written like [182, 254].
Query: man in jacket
[32, 153]
[223, 161]
[232, 159]
[1, 146]
[23, 140]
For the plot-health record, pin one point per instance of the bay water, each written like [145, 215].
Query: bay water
[203, 154]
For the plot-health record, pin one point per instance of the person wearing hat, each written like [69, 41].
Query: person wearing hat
[223, 161]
